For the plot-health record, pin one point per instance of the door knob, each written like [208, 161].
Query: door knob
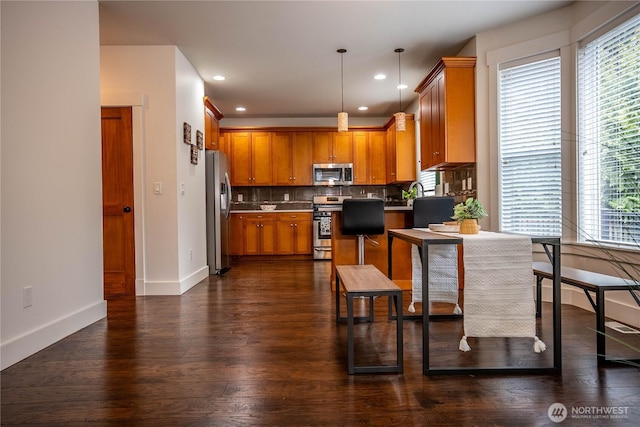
[127, 209]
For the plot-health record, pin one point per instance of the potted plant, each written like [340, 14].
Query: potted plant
[467, 214]
[410, 195]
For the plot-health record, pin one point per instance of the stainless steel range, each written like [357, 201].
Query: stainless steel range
[322, 224]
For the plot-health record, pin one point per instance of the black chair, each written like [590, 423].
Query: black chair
[432, 210]
[362, 217]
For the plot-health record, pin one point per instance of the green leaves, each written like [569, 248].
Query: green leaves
[469, 209]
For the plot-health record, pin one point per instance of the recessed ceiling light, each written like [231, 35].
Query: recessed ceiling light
[379, 77]
[241, 109]
[219, 78]
[363, 108]
[402, 86]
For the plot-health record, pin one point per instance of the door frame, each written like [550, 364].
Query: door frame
[136, 102]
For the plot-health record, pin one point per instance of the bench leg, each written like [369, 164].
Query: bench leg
[350, 345]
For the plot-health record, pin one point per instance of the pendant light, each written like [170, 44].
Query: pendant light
[343, 118]
[401, 120]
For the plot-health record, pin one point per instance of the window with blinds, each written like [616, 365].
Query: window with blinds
[530, 147]
[609, 136]
[428, 181]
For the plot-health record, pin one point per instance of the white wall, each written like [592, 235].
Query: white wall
[51, 219]
[558, 30]
[173, 223]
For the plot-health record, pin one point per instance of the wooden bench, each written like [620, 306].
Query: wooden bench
[588, 281]
[367, 281]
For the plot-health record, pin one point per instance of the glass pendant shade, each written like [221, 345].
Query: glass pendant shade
[401, 122]
[343, 122]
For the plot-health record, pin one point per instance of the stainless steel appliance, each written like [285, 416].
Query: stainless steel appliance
[333, 174]
[218, 207]
[322, 224]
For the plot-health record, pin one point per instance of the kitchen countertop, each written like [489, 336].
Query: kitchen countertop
[253, 211]
[386, 209]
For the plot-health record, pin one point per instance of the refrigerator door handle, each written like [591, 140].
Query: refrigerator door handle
[229, 196]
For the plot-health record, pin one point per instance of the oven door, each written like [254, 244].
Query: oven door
[321, 235]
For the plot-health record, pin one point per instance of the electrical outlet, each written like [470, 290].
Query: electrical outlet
[190, 254]
[27, 296]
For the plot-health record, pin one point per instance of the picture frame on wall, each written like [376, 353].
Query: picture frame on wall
[194, 154]
[186, 128]
[200, 140]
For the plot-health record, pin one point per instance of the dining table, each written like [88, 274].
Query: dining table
[424, 239]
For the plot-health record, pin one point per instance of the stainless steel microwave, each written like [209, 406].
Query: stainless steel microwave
[333, 174]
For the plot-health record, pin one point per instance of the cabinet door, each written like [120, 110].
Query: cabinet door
[322, 150]
[282, 152]
[391, 153]
[240, 145]
[236, 234]
[302, 158]
[252, 236]
[438, 116]
[304, 236]
[361, 158]
[406, 153]
[286, 237]
[376, 157]
[210, 130]
[342, 147]
[268, 237]
[261, 161]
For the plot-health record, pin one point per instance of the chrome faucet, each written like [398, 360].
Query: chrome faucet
[413, 184]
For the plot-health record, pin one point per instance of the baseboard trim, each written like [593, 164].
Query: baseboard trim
[175, 288]
[19, 348]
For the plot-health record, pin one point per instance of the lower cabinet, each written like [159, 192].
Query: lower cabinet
[260, 234]
[294, 234]
[287, 233]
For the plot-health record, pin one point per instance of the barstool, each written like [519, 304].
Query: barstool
[432, 210]
[362, 217]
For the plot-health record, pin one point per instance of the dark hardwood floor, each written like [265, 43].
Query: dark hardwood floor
[259, 346]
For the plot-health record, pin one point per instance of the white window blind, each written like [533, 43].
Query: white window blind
[530, 147]
[609, 136]
[428, 181]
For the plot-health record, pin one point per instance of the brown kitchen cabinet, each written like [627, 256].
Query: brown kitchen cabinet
[212, 118]
[292, 158]
[332, 147]
[401, 151]
[251, 160]
[236, 234]
[259, 234]
[447, 114]
[369, 152]
[294, 233]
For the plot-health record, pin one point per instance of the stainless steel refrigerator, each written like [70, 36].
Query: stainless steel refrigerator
[218, 207]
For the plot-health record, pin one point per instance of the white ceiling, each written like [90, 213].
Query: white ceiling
[280, 57]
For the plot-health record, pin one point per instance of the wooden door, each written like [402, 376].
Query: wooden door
[438, 116]
[286, 235]
[236, 234]
[360, 158]
[252, 236]
[391, 153]
[342, 147]
[304, 236]
[261, 160]
[376, 158]
[302, 158]
[240, 146]
[210, 130]
[322, 151]
[268, 236]
[282, 152]
[117, 203]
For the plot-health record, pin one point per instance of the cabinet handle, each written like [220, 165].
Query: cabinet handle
[290, 225]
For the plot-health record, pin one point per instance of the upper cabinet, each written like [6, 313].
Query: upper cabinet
[251, 162]
[401, 151]
[369, 152]
[332, 147]
[447, 114]
[292, 158]
[212, 118]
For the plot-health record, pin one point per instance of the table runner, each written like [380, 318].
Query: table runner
[498, 298]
